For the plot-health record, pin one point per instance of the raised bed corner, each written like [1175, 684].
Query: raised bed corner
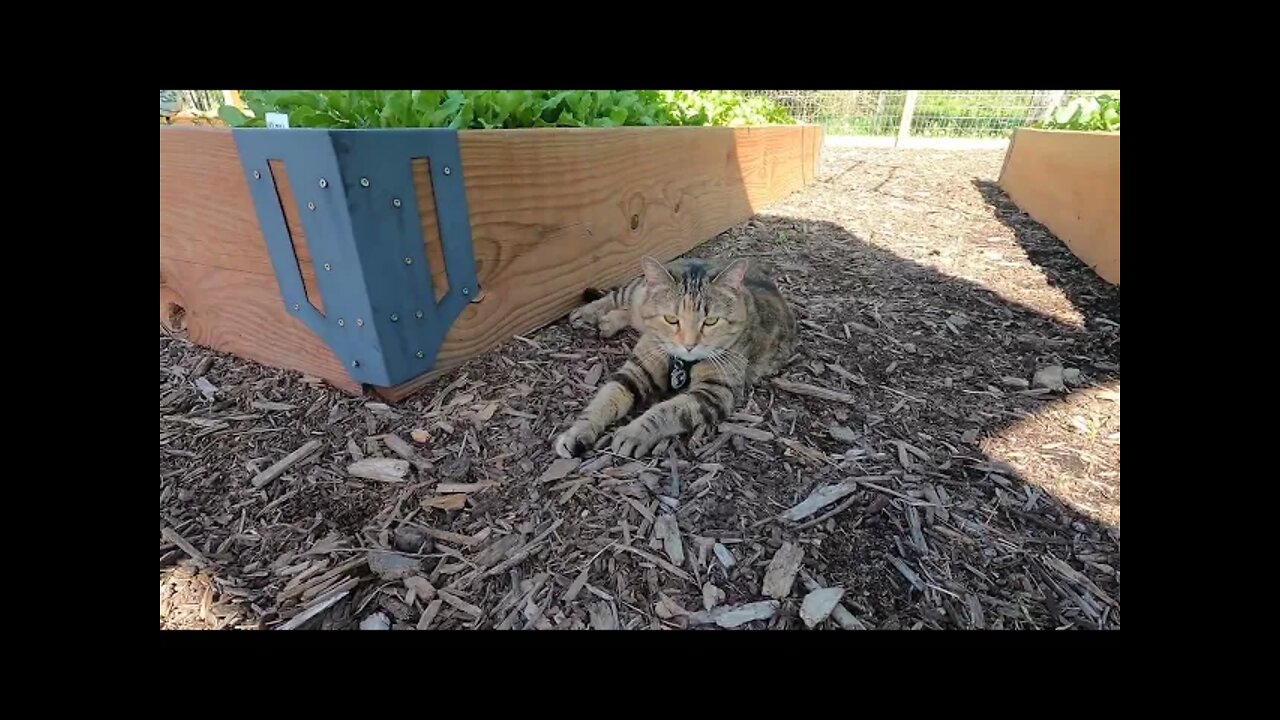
[1070, 182]
[382, 257]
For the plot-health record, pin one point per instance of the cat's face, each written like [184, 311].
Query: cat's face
[697, 315]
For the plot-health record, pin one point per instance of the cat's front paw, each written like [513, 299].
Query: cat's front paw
[583, 318]
[611, 324]
[576, 440]
[634, 440]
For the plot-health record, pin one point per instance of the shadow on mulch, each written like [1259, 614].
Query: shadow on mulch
[938, 536]
[1090, 294]
[939, 363]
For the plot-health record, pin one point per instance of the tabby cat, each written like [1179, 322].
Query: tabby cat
[708, 329]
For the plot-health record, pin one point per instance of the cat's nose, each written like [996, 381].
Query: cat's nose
[690, 347]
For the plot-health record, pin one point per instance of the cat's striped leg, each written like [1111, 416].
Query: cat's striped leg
[708, 401]
[641, 379]
[609, 313]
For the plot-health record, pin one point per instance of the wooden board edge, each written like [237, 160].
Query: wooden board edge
[1008, 156]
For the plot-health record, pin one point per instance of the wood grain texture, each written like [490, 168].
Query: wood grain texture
[241, 313]
[297, 233]
[172, 311]
[424, 194]
[1070, 183]
[553, 211]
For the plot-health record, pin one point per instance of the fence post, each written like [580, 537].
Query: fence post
[1055, 99]
[908, 112]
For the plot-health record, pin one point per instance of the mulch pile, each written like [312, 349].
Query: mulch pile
[942, 452]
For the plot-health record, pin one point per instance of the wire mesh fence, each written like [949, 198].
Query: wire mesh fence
[200, 101]
[193, 106]
[890, 114]
[929, 113]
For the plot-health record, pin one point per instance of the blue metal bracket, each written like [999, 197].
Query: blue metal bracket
[359, 211]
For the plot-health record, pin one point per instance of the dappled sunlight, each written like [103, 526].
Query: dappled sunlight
[933, 215]
[1069, 449]
[189, 600]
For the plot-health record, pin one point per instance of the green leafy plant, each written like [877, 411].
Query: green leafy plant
[485, 109]
[1099, 113]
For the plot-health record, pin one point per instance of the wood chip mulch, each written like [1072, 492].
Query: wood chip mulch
[942, 452]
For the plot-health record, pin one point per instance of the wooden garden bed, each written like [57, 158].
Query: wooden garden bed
[552, 212]
[1070, 183]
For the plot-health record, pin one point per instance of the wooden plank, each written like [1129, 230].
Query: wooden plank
[241, 313]
[812, 152]
[1070, 183]
[171, 313]
[553, 211]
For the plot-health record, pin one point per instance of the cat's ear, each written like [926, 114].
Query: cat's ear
[654, 273]
[731, 277]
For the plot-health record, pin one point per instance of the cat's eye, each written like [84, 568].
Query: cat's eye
[671, 319]
[711, 321]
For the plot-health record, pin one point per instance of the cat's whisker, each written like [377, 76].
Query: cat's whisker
[725, 369]
[735, 374]
[718, 362]
[732, 353]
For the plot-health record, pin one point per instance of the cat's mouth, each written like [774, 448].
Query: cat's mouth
[688, 355]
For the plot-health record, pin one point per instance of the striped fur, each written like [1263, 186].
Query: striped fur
[727, 317]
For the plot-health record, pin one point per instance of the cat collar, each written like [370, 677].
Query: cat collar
[678, 372]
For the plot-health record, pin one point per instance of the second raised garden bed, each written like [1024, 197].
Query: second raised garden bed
[1069, 181]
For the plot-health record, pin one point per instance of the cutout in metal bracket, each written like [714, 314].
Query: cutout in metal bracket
[355, 195]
